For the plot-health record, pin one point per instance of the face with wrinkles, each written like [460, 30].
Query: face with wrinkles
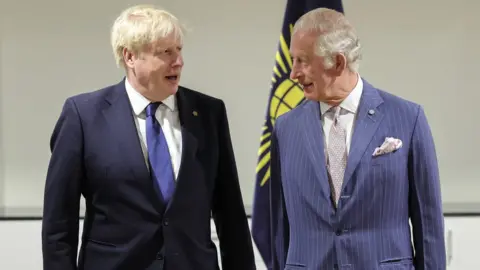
[309, 68]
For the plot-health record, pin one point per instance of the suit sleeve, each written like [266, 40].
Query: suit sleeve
[62, 193]
[425, 199]
[228, 208]
[279, 219]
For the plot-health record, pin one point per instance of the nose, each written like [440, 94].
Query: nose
[178, 61]
[294, 74]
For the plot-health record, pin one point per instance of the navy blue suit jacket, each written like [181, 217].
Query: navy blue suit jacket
[370, 228]
[96, 153]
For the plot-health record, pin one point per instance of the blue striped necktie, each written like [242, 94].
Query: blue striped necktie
[159, 156]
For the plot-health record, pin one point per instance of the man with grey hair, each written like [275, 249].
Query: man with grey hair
[351, 165]
[154, 162]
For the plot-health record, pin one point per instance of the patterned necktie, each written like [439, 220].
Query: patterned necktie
[158, 154]
[337, 153]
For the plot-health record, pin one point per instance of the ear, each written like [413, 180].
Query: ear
[340, 64]
[128, 57]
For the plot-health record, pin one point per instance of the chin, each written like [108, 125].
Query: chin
[173, 90]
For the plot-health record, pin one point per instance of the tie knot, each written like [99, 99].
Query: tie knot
[152, 108]
[335, 111]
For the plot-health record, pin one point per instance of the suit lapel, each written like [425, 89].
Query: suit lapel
[368, 120]
[192, 138]
[119, 117]
[314, 143]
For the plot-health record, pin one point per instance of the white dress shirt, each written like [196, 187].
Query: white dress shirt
[347, 118]
[168, 117]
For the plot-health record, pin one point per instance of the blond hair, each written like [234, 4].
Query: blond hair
[139, 26]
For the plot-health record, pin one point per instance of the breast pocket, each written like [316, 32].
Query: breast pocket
[387, 158]
[390, 170]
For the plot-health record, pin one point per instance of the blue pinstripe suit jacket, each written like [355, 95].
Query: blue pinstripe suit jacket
[370, 227]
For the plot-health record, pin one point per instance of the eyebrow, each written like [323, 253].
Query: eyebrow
[300, 56]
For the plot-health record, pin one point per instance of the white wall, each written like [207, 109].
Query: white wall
[428, 51]
[20, 247]
[51, 49]
[2, 111]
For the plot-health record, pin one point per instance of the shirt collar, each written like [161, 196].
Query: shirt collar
[351, 102]
[139, 102]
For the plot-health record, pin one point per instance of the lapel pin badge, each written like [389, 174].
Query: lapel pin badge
[371, 112]
[195, 113]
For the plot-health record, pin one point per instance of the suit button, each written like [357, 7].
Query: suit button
[335, 266]
[165, 222]
[159, 256]
[338, 232]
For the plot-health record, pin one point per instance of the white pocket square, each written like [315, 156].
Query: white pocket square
[389, 145]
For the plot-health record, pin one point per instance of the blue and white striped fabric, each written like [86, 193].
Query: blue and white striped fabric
[370, 229]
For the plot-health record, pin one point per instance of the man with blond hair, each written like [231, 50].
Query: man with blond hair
[154, 162]
[352, 165]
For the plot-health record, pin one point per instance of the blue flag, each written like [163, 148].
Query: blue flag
[285, 95]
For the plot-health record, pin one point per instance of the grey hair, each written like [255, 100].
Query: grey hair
[335, 35]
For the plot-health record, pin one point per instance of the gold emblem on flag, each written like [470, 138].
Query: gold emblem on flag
[287, 94]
